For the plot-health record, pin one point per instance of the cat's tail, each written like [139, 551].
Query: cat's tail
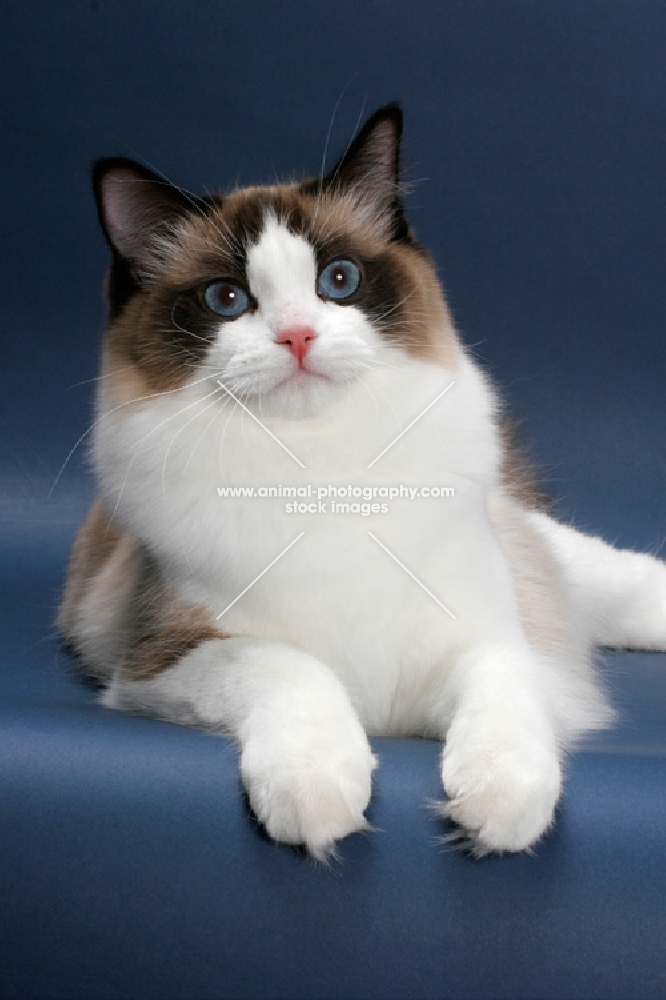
[618, 597]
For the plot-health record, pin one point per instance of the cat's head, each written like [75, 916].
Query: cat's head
[286, 293]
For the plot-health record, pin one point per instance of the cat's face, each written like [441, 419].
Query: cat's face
[304, 325]
[284, 294]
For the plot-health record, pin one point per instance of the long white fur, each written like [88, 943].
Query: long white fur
[336, 640]
[619, 596]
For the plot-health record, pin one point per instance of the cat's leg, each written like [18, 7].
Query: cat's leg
[618, 596]
[500, 764]
[505, 712]
[305, 759]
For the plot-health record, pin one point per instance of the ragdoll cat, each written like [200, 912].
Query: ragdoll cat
[291, 339]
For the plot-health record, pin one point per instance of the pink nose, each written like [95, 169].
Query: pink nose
[298, 340]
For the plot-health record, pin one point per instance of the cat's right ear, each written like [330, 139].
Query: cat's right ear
[370, 168]
[136, 207]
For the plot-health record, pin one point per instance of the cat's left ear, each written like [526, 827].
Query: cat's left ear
[137, 208]
[370, 168]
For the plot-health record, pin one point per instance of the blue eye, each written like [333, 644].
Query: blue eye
[227, 299]
[339, 280]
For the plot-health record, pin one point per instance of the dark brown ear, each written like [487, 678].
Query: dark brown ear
[135, 206]
[371, 166]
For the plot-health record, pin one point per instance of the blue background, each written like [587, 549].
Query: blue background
[535, 143]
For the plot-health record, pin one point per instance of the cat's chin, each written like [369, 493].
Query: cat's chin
[302, 394]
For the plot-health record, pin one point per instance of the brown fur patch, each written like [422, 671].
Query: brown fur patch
[517, 473]
[123, 383]
[116, 611]
[95, 613]
[95, 542]
[165, 628]
[537, 576]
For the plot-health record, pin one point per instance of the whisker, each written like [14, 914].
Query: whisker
[149, 434]
[219, 409]
[402, 301]
[120, 406]
[97, 378]
[173, 439]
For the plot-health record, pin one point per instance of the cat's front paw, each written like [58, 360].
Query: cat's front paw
[310, 783]
[502, 785]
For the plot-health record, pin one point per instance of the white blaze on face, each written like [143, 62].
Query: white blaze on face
[282, 274]
[255, 355]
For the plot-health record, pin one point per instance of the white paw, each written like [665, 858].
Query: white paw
[310, 782]
[502, 785]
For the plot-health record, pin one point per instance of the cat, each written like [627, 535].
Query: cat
[294, 340]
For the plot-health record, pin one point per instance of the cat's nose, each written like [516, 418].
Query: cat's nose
[298, 339]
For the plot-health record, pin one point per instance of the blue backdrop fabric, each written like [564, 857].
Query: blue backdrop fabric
[535, 154]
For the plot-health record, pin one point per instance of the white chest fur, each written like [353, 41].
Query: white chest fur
[335, 592]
